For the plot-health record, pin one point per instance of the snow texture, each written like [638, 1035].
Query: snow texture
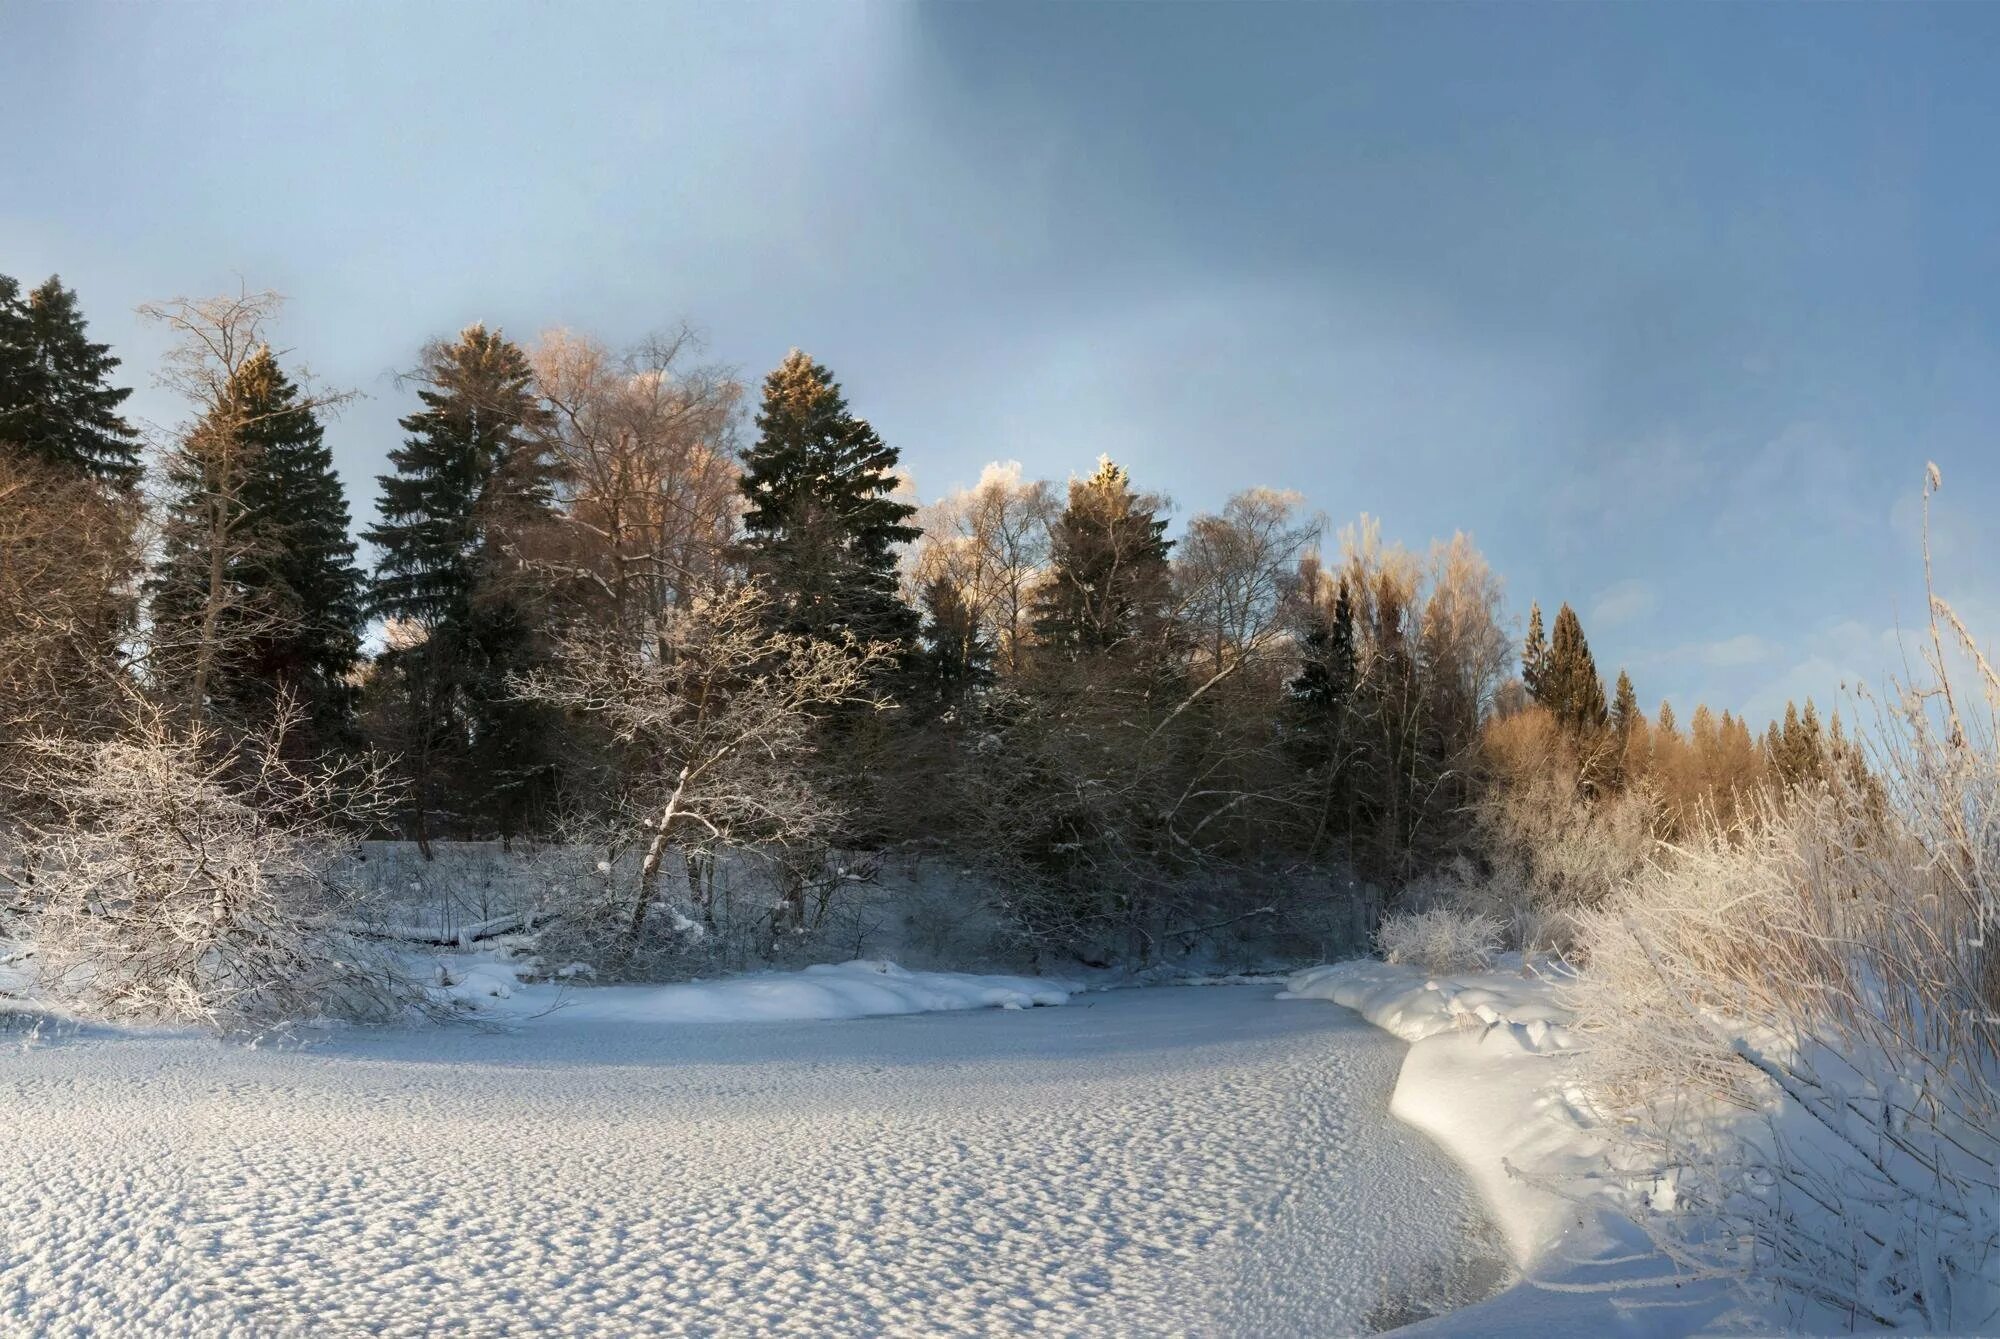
[862, 989]
[1485, 1076]
[1147, 1161]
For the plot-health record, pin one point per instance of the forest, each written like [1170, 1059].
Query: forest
[620, 604]
[673, 647]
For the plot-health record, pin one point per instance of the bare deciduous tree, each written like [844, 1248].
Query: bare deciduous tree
[641, 443]
[714, 718]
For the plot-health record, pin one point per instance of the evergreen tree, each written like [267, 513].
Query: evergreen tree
[1666, 724]
[1534, 654]
[1328, 664]
[1624, 706]
[1570, 686]
[54, 398]
[1318, 701]
[953, 658]
[455, 470]
[256, 579]
[470, 478]
[1109, 581]
[822, 528]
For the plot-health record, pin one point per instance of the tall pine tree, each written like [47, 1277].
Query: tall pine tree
[1624, 706]
[470, 458]
[1534, 654]
[1570, 686]
[56, 402]
[256, 587]
[471, 480]
[1109, 584]
[822, 527]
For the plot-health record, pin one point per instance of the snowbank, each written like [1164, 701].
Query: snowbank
[863, 989]
[1486, 1077]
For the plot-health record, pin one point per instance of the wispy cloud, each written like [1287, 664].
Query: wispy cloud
[1623, 602]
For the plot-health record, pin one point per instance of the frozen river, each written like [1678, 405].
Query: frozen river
[1196, 1160]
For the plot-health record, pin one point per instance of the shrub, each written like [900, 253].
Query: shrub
[175, 876]
[1440, 939]
[1826, 965]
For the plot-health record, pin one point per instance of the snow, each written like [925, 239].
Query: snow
[866, 988]
[1485, 1076]
[1146, 1161]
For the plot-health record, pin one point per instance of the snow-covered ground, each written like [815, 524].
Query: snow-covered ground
[1171, 1160]
[1488, 1076]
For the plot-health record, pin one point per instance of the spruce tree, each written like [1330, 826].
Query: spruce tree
[1571, 688]
[257, 578]
[471, 477]
[452, 474]
[1624, 706]
[822, 528]
[1109, 582]
[1319, 696]
[55, 400]
[1666, 723]
[954, 658]
[1534, 654]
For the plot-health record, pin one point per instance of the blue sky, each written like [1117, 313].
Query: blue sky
[1666, 306]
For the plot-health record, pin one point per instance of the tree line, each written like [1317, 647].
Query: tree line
[613, 602]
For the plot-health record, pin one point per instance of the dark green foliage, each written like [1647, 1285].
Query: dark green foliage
[256, 592]
[1624, 706]
[1569, 683]
[954, 659]
[55, 400]
[822, 529]
[476, 427]
[471, 483]
[1110, 585]
[1534, 654]
[1320, 692]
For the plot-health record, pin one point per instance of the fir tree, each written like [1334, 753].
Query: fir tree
[1666, 723]
[953, 658]
[822, 528]
[1319, 695]
[1570, 684]
[55, 402]
[1534, 654]
[1109, 581]
[470, 453]
[257, 576]
[1624, 706]
[470, 477]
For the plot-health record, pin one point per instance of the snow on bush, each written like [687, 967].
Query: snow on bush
[170, 874]
[1440, 940]
[1825, 966]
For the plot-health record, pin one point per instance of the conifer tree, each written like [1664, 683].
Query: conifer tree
[471, 477]
[453, 474]
[954, 658]
[1318, 702]
[822, 527]
[1571, 688]
[256, 581]
[1534, 654]
[55, 400]
[1109, 581]
[1624, 706]
[1666, 723]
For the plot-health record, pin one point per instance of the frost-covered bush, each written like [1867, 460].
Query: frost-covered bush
[171, 874]
[1441, 939]
[1825, 965]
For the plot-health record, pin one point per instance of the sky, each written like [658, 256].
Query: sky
[1667, 307]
